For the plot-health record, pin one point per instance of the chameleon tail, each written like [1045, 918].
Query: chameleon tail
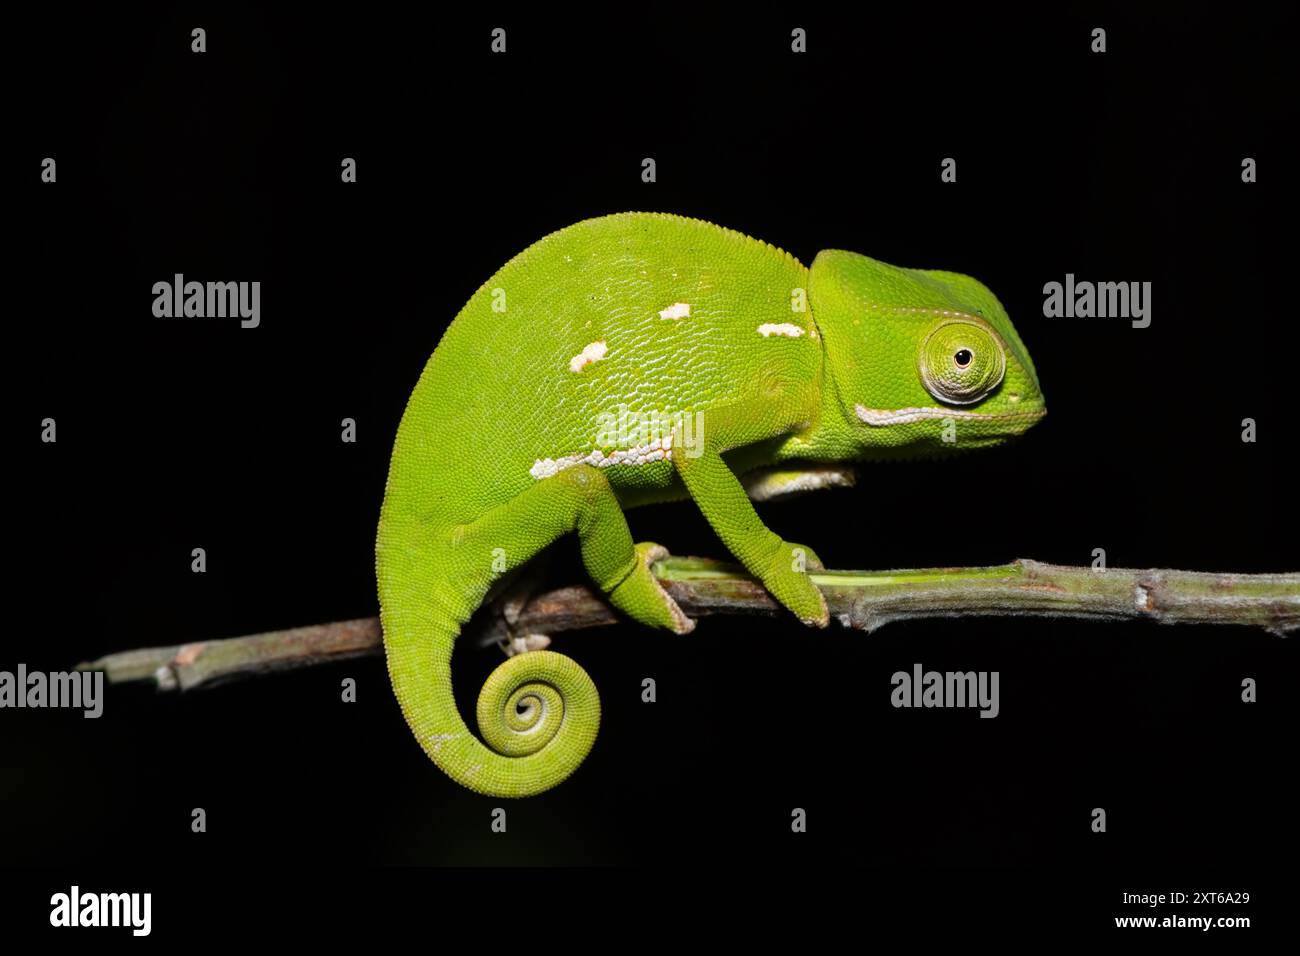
[539, 711]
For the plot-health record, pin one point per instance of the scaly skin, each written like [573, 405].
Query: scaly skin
[506, 443]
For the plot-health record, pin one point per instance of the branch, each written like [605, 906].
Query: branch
[865, 600]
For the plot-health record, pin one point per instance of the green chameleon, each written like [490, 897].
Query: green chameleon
[645, 357]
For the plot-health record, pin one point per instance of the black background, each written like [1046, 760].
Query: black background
[175, 434]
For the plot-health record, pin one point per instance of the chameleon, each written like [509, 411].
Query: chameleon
[648, 357]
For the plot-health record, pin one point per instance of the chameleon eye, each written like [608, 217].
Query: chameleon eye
[961, 362]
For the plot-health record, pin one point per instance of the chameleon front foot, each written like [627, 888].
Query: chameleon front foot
[785, 575]
[641, 597]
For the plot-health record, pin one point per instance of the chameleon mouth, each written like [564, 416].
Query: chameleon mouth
[880, 417]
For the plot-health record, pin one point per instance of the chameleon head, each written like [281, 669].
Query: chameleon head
[921, 361]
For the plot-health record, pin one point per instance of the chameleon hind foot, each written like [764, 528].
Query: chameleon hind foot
[641, 597]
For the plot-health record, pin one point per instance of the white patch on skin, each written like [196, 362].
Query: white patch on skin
[766, 485]
[439, 739]
[591, 353]
[678, 310]
[905, 416]
[657, 450]
[914, 308]
[789, 330]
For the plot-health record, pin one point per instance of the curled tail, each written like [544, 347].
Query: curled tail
[539, 711]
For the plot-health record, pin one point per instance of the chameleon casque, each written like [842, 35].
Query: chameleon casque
[770, 376]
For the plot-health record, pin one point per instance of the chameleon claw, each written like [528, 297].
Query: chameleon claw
[523, 643]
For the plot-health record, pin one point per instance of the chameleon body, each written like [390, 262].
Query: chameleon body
[643, 357]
